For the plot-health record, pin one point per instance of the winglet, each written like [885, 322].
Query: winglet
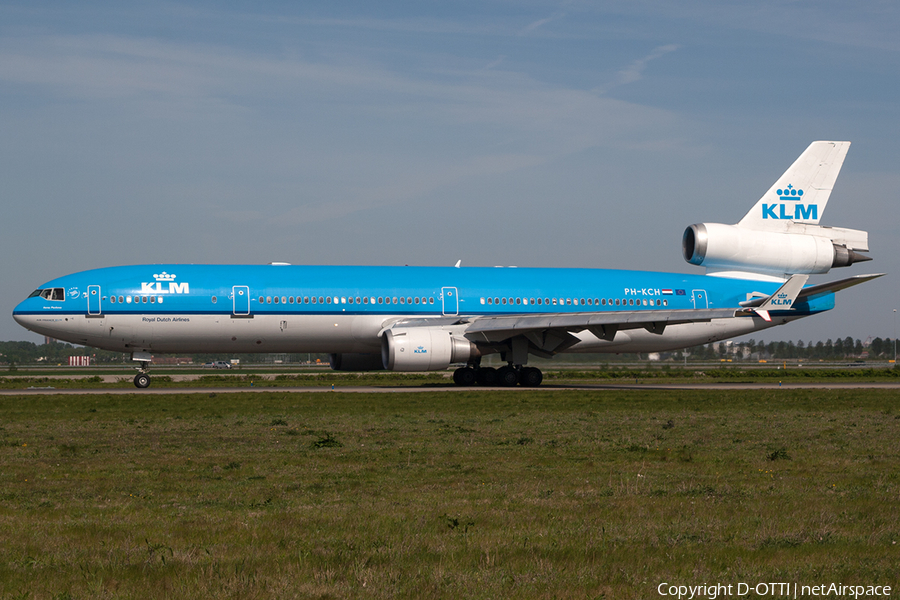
[783, 298]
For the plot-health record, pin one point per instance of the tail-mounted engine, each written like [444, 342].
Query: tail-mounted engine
[796, 248]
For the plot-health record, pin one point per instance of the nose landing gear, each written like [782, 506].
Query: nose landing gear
[142, 379]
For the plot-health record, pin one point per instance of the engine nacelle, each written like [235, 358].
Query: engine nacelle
[356, 362]
[423, 349]
[809, 249]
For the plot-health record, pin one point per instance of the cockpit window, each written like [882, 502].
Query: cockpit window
[58, 294]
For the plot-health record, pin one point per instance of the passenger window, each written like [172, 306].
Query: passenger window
[380, 299]
[290, 299]
[665, 301]
[518, 301]
[112, 299]
[127, 299]
[357, 299]
[504, 301]
[431, 300]
[261, 299]
[276, 299]
[617, 301]
[152, 299]
[532, 301]
[417, 300]
[365, 299]
[395, 300]
[408, 300]
[305, 299]
[160, 299]
[283, 299]
[554, 302]
[214, 299]
[568, 301]
[344, 300]
[327, 299]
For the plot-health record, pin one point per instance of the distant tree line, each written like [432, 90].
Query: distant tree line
[837, 349]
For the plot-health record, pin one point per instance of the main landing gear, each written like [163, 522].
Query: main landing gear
[508, 376]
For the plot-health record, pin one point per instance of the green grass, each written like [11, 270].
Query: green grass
[526, 494]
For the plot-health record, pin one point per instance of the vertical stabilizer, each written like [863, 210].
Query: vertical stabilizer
[800, 195]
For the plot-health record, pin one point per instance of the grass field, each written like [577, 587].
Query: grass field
[522, 493]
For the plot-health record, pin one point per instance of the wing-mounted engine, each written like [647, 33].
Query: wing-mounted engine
[423, 349]
[781, 235]
[796, 248]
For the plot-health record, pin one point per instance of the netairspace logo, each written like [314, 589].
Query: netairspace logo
[771, 590]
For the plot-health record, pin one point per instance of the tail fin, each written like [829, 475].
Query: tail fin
[800, 195]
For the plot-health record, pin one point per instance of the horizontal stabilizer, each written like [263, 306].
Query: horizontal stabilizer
[834, 286]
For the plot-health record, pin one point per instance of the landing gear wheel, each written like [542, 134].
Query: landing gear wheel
[530, 377]
[507, 376]
[486, 376]
[141, 380]
[464, 376]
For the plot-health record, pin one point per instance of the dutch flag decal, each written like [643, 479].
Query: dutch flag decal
[667, 292]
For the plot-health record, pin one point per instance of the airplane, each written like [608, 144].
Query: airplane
[430, 318]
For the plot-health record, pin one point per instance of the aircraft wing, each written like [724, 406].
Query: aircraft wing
[602, 324]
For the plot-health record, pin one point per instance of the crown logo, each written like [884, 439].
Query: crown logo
[164, 277]
[789, 193]
[782, 295]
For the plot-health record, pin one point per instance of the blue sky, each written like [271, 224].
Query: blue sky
[563, 134]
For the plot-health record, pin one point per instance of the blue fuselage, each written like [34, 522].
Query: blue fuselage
[284, 308]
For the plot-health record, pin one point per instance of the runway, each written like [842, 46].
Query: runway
[50, 390]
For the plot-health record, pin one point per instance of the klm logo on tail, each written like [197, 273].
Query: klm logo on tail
[797, 212]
